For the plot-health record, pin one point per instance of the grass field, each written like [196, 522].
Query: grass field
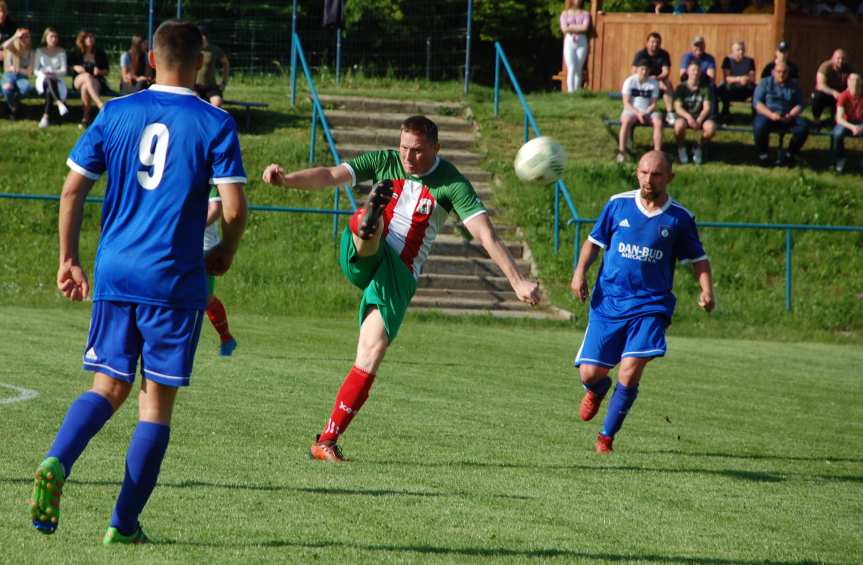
[737, 452]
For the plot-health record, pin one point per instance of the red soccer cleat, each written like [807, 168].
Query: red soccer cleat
[326, 451]
[603, 444]
[589, 405]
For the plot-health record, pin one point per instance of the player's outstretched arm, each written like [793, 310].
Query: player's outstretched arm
[482, 230]
[316, 177]
[704, 275]
[234, 213]
[587, 256]
[71, 278]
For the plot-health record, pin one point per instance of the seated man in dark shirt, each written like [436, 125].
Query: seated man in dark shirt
[738, 78]
[659, 67]
[778, 104]
[830, 81]
[781, 55]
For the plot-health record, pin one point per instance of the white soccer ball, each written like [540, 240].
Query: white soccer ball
[540, 159]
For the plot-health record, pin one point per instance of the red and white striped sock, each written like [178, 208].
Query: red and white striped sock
[350, 398]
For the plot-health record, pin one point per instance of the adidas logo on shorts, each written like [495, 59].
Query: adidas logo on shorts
[91, 354]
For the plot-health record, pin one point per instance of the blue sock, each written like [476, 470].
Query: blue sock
[143, 459]
[84, 418]
[621, 402]
[600, 387]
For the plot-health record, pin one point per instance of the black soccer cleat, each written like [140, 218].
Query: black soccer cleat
[379, 197]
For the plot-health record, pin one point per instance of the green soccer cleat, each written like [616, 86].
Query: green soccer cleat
[113, 536]
[47, 490]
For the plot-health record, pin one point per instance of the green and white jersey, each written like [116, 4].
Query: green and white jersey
[212, 236]
[420, 205]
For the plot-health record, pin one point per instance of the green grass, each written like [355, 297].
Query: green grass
[469, 450]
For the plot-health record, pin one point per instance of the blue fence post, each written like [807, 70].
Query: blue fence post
[179, 9]
[338, 57]
[556, 218]
[293, 54]
[788, 233]
[467, 46]
[526, 128]
[496, 81]
[576, 243]
[314, 135]
[336, 215]
[150, 26]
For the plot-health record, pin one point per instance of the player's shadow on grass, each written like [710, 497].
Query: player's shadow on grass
[491, 552]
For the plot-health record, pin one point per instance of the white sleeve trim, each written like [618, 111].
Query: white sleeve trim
[229, 180]
[474, 215]
[353, 174]
[696, 260]
[596, 242]
[81, 170]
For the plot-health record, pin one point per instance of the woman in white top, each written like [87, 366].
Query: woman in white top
[575, 24]
[50, 68]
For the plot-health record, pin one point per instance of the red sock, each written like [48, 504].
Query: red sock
[217, 315]
[354, 222]
[349, 400]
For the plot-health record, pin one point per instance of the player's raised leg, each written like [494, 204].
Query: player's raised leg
[625, 393]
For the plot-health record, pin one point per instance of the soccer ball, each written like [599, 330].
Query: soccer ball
[540, 159]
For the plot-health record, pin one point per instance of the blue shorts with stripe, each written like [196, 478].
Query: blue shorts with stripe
[607, 341]
[164, 338]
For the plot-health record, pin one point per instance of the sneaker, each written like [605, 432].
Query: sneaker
[379, 197]
[603, 444]
[326, 451]
[589, 405]
[113, 536]
[226, 349]
[698, 155]
[670, 118]
[840, 164]
[47, 490]
[620, 158]
[62, 108]
[43, 123]
[682, 155]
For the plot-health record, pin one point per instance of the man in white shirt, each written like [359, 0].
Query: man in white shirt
[640, 94]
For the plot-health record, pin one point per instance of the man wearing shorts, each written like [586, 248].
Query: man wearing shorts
[215, 309]
[644, 233]
[384, 248]
[640, 93]
[161, 148]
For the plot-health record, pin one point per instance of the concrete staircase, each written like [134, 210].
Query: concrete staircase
[458, 277]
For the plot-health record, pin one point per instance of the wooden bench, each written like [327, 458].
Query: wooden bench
[248, 108]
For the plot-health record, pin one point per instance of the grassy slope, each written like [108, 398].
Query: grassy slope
[734, 453]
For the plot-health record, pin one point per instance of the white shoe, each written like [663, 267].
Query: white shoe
[43, 123]
[62, 108]
[682, 156]
[697, 156]
[670, 118]
[840, 164]
[620, 159]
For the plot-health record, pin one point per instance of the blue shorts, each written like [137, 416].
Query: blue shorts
[164, 338]
[608, 341]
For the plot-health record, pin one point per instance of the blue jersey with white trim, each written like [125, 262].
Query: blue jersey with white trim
[641, 248]
[161, 148]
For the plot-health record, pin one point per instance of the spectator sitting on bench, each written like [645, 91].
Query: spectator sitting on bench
[8, 26]
[89, 67]
[738, 78]
[135, 72]
[640, 93]
[18, 66]
[849, 119]
[692, 104]
[781, 56]
[778, 103]
[659, 68]
[706, 63]
[50, 68]
[830, 80]
[205, 83]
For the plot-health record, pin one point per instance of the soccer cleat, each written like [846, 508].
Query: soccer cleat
[113, 536]
[326, 451]
[589, 405]
[603, 444]
[682, 155]
[226, 349]
[379, 197]
[697, 156]
[47, 490]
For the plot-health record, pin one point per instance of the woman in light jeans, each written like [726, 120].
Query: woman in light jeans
[18, 66]
[50, 68]
[575, 24]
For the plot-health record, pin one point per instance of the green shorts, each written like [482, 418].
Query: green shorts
[384, 279]
[211, 286]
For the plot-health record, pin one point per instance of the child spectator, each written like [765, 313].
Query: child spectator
[205, 83]
[849, 119]
[640, 93]
[693, 107]
[830, 80]
[738, 78]
[50, 68]
[18, 66]
[134, 69]
[89, 65]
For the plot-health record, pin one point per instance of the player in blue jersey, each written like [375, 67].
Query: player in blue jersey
[161, 148]
[644, 234]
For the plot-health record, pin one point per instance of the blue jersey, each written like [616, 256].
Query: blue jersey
[161, 148]
[641, 249]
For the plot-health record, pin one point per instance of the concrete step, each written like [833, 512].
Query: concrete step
[409, 107]
[463, 282]
[476, 266]
[536, 314]
[466, 294]
[478, 303]
[389, 138]
[455, 227]
[458, 157]
[393, 121]
[457, 246]
[475, 174]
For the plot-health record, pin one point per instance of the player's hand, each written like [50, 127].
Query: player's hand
[72, 282]
[579, 286]
[527, 291]
[218, 260]
[275, 175]
[706, 301]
